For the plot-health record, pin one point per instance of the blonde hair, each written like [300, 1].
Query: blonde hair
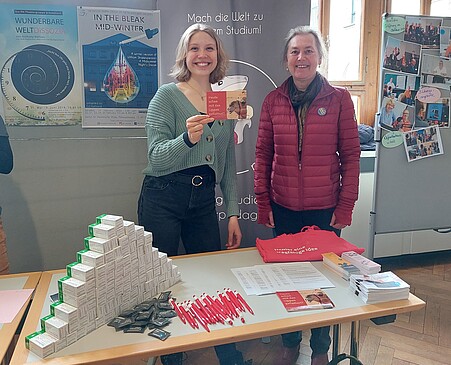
[390, 102]
[180, 70]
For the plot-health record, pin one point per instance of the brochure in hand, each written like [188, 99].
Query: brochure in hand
[227, 104]
[299, 300]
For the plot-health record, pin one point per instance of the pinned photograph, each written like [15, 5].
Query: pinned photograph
[445, 41]
[402, 56]
[423, 30]
[388, 113]
[436, 71]
[401, 87]
[438, 113]
[403, 122]
[423, 143]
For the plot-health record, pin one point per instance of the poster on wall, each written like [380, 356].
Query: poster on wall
[253, 34]
[119, 52]
[39, 63]
[416, 78]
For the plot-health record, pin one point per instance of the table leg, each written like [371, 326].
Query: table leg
[336, 343]
[355, 334]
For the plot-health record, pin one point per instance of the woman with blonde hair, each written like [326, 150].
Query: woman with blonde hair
[189, 153]
[387, 115]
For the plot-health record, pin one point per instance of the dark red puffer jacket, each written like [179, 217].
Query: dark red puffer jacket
[327, 175]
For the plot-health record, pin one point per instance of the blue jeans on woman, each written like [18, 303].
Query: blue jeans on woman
[288, 221]
[182, 207]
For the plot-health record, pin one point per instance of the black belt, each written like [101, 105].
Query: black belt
[194, 180]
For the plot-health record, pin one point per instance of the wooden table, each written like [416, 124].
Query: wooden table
[205, 273]
[13, 282]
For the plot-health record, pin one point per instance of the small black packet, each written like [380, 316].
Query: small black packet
[140, 323]
[127, 313]
[149, 302]
[168, 314]
[164, 305]
[164, 296]
[135, 329]
[160, 322]
[142, 307]
[115, 322]
[143, 316]
[125, 322]
[159, 333]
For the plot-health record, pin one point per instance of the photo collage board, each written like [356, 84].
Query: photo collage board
[416, 81]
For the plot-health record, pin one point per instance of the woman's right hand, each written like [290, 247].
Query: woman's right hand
[195, 126]
[271, 220]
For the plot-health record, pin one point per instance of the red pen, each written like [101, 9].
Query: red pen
[202, 309]
[177, 310]
[217, 314]
[203, 313]
[198, 316]
[234, 299]
[214, 317]
[217, 305]
[229, 317]
[241, 299]
[188, 317]
[222, 305]
[228, 304]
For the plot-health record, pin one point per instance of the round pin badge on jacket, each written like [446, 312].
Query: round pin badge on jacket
[322, 111]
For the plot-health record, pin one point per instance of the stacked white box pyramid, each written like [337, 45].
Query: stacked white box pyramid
[118, 269]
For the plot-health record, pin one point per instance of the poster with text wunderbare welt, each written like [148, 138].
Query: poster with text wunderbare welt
[39, 65]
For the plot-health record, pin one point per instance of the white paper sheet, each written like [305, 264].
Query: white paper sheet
[269, 278]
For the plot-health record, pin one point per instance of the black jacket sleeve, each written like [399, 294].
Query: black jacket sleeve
[6, 155]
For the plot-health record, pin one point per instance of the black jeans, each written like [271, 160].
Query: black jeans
[288, 221]
[178, 207]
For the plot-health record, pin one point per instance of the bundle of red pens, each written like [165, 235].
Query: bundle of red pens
[208, 310]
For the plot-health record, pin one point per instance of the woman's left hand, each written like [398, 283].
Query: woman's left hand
[335, 224]
[234, 234]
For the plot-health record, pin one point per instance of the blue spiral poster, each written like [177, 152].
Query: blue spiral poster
[39, 65]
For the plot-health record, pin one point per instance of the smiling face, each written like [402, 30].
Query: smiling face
[303, 59]
[389, 106]
[202, 56]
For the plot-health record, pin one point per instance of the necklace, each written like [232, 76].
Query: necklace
[197, 91]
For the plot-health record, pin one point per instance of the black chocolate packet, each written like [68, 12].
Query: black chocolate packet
[143, 316]
[160, 322]
[135, 329]
[164, 296]
[125, 322]
[168, 314]
[140, 323]
[164, 305]
[143, 307]
[115, 322]
[127, 313]
[159, 333]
